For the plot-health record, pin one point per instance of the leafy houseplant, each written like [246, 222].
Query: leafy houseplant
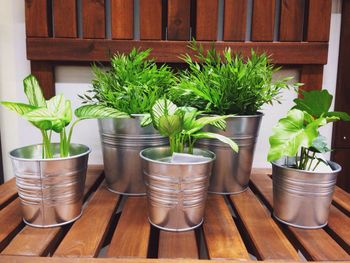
[177, 176]
[296, 145]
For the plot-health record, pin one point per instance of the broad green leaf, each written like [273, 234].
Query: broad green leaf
[170, 125]
[98, 112]
[33, 92]
[315, 102]
[146, 120]
[59, 107]
[42, 119]
[320, 145]
[210, 135]
[201, 122]
[18, 107]
[337, 115]
[162, 107]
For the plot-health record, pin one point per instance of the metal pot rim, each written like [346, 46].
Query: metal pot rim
[88, 150]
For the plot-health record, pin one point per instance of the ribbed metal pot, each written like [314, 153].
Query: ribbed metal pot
[51, 190]
[302, 198]
[176, 192]
[231, 171]
[122, 140]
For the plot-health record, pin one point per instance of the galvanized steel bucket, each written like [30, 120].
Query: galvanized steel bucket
[51, 190]
[231, 171]
[302, 198]
[122, 140]
[176, 192]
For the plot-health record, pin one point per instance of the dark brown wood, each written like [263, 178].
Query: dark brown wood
[263, 20]
[122, 16]
[312, 77]
[292, 17]
[45, 73]
[342, 199]
[341, 156]
[179, 19]
[235, 16]
[65, 18]
[36, 18]
[177, 245]
[168, 51]
[131, 236]
[221, 234]
[318, 20]
[8, 192]
[339, 224]
[151, 26]
[94, 21]
[207, 19]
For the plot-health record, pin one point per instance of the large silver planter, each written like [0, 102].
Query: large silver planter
[122, 140]
[176, 192]
[231, 171]
[302, 198]
[51, 190]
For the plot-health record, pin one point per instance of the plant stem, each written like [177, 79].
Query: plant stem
[316, 165]
[311, 161]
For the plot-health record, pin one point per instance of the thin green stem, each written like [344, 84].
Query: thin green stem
[311, 160]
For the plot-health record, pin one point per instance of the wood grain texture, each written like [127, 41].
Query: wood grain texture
[168, 51]
[65, 18]
[318, 20]
[207, 19]
[179, 19]
[263, 20]
[45, 73]
[36, 18]
[342, 198]
[220, 232]
[93, 13]
[122, 16]
[130, 239]
[268, 240]
[177, 245]
[8, 192]
[235, 17]
[339, 224]
[291, 23]
[312, 77]
[151, 25]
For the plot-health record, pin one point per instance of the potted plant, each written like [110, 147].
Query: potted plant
[303, 181]
[229, 84]
[131, 85]
[50, 177]
[177, 177]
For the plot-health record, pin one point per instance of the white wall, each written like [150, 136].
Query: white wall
[71, 81]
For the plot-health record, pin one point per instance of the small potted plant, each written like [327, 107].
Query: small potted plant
[303, 181]
[50, 177]
[177, 177]
[131, 85]
[229, 84]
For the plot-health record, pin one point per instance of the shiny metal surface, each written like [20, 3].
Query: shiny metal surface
[51, 190]
[302, 198]
[122, 140]
[176, 193]
[231, 171]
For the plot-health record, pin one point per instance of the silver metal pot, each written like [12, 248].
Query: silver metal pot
[176, 192]
[302, 198]
[122, 140]
[231, 171]
[51, 190]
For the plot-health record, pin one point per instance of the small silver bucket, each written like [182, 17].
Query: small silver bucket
[231, 171]
[176, 192]
[51, 190]
[122, 140]
[302, 198]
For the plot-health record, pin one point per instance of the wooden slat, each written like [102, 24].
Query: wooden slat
[179, 19]
[151, 25]
[93, 18]
[220, 232]
[339, 224]
[33, 241]
[65, 18]
[36, 18]
[8, 192]
[342, 198]
[45, 73]
[268, 240]
[168, 51]
[263, 20]
[235, 13]
[122, 16]
[292, 17]
[318, 20]
[177, 245]
[207, 19]
[131, 236]
[312, 77]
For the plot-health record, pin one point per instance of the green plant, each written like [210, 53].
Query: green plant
[54, 115]
[297, 135]
[226, 84]
[182, 125]
[131, 85]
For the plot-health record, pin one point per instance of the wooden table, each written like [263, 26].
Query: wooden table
[236, 227]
